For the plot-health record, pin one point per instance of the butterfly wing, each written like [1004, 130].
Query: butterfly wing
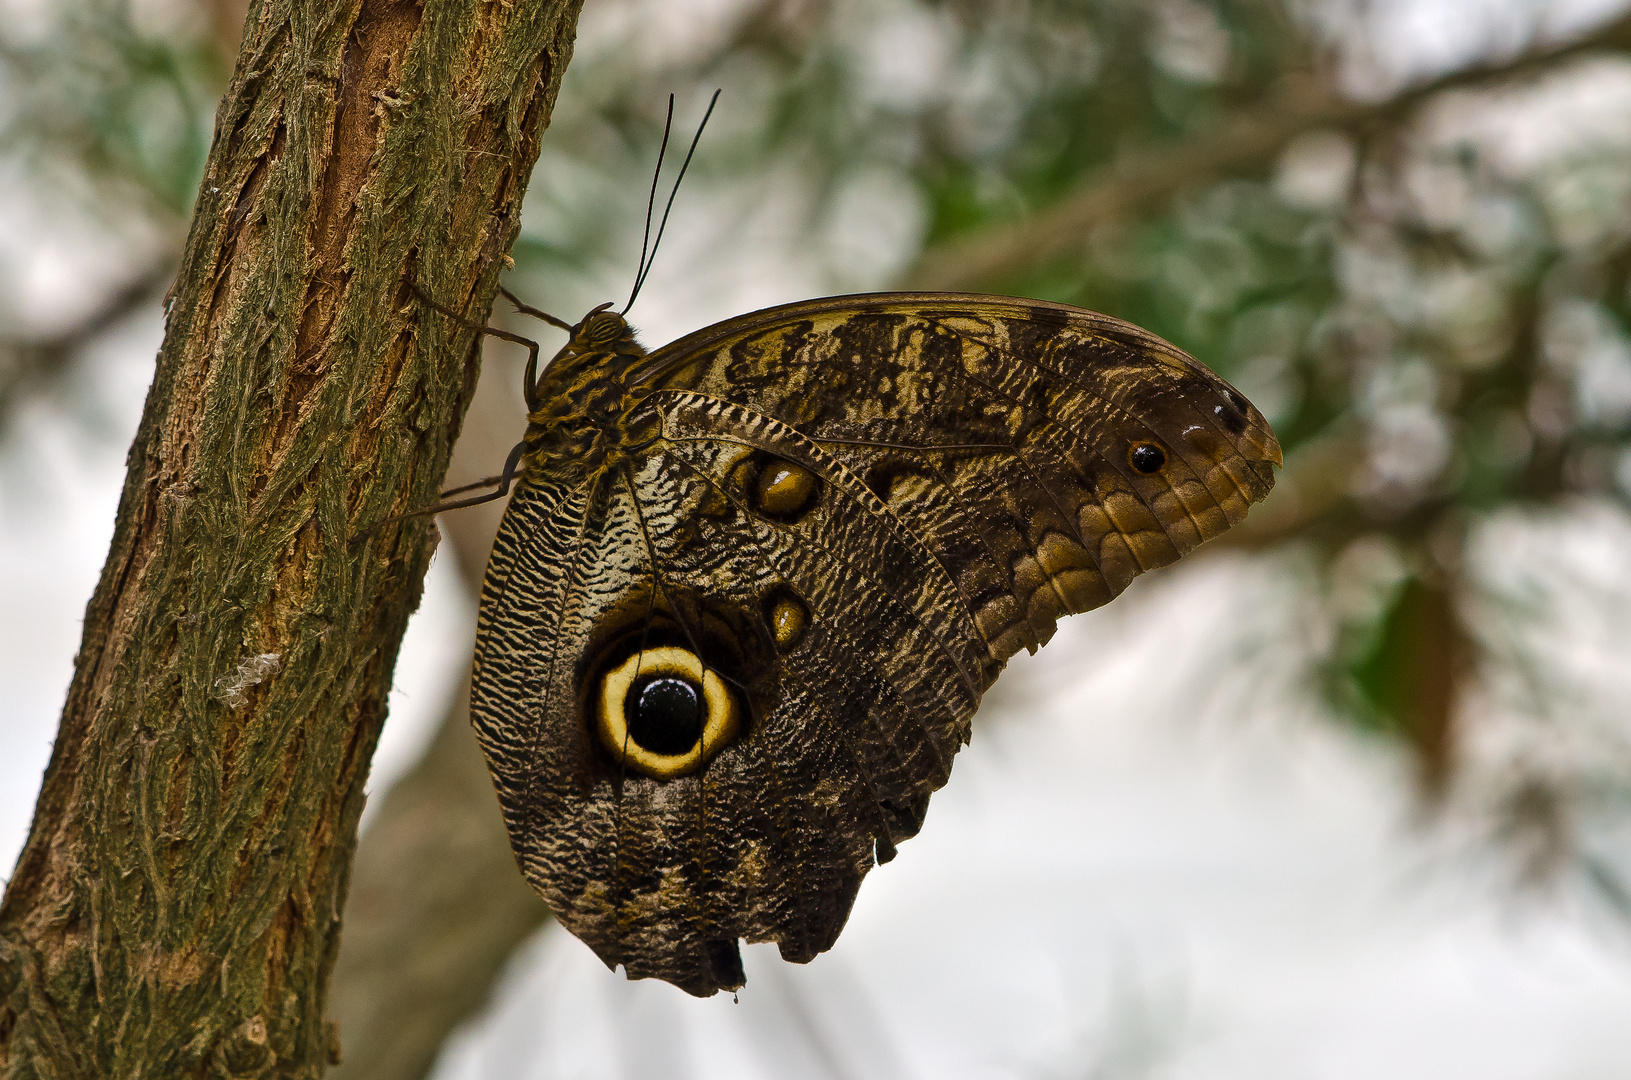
[1044, 454]
[857, 510]
[850, 724]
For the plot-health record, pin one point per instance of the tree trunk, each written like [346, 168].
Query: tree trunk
[175, 912]
[437, 905]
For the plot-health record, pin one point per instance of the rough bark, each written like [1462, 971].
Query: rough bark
[175, 911]
[437, 905]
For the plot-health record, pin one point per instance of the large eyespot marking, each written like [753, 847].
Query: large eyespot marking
[1147, 458]
[787, 616]
[660, 713]
[780, 490]
[1232, 396]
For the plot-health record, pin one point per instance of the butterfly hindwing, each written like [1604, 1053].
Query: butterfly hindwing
[851, 721]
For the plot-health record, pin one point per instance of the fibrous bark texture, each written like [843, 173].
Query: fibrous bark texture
[423, 946]
[175, 912]
[436, 904]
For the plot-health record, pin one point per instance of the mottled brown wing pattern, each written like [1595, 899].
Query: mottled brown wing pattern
[851, 728]
[844, 516]
[999, 432]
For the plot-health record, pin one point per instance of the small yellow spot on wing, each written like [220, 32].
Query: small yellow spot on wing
[788, 619]
[785, 490]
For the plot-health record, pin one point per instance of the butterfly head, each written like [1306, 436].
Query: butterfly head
[600, 350]
[602, 331]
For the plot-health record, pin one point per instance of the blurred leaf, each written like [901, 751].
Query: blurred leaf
[1407, 674]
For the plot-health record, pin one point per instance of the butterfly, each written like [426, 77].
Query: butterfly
[751, 586]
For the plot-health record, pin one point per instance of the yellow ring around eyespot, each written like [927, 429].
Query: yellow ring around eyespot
[719, 727]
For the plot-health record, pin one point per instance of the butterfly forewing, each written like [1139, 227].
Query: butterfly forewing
[839, 519]
[1003, 431]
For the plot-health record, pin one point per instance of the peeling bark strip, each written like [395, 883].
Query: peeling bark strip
[175, 912]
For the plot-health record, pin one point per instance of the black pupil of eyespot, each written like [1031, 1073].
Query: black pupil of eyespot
[1236, 400]
[665, 715]
[1147, 458]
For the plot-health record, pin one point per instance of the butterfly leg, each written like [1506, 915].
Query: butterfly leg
[529, 388]
[484, 482]
[537, 313]
[512, 466]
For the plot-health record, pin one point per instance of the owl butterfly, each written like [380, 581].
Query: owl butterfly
[751, 586]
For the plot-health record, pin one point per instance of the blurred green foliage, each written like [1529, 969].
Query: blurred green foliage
[103, 98]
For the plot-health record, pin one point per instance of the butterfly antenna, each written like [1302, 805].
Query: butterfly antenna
[645, 264]
[651, 201]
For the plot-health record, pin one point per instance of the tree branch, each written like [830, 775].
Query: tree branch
[28, 360]
[1146, 179]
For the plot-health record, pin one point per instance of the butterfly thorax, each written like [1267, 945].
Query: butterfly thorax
[585, 417]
